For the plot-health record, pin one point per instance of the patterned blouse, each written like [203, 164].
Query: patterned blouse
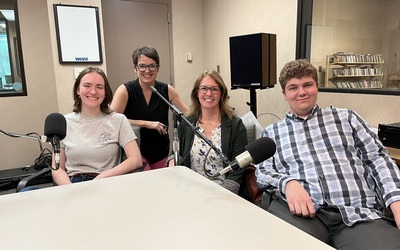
[204, 160]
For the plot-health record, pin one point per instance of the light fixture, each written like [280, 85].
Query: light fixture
[8, 14]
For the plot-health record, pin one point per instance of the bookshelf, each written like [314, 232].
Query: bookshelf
[352, 70]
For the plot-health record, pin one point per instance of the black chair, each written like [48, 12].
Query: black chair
[40, 177]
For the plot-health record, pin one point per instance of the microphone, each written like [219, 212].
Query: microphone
[55, 129]
[175, 146]
[256, 152]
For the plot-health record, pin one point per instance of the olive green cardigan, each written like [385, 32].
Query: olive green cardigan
[233, 141]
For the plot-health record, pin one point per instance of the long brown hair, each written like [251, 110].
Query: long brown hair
[105, 105]
[224, 105]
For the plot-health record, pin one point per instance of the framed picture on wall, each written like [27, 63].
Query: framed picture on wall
[78, 33]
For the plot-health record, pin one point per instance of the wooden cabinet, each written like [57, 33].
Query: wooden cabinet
[351, 70]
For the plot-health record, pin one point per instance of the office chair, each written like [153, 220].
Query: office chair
[34, 178]
[248, 188]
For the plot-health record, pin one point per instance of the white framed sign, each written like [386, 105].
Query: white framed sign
[78, 33]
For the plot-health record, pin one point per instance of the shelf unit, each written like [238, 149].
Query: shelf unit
[351, 70]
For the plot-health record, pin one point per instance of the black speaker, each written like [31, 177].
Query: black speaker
[389, 134]
[253, 61]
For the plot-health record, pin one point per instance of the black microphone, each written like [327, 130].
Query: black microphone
[256, 152]
[55, 129]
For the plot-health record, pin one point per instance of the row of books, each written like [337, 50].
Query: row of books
[357, 71]
[342, 57]
[371, 83]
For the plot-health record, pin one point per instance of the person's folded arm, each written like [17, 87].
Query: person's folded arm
[270, 180]
[133, 161]
[395, 207]
[298, 200]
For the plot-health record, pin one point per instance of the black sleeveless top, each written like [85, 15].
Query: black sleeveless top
[153, 146]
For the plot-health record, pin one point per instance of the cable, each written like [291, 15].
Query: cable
[268, 113]
[45, 156]
[211, 176]
[204, 164]
[184, 158]
[44, 159]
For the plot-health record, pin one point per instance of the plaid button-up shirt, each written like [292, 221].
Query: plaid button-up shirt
[337, 158]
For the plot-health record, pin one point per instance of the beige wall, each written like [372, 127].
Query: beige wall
[227, 18]
[187, 37]
[64, 73]
[200, 27]
[222, 19]
[26, 114]
[49, 84]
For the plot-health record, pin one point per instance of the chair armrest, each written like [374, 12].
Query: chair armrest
[251, 182]
[27, 180]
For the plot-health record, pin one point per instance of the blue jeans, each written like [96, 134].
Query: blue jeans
[74, 179]
[28, 189]
[80, 178]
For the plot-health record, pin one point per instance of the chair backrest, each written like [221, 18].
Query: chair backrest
[251, 132]
[252, 193]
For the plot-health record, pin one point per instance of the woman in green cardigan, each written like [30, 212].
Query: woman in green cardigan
[211, 113]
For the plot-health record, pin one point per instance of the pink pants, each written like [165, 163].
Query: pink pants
[160, 164]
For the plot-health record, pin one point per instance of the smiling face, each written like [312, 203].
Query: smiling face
[91, 91]
[301, 95]
[148, 76]
[209, 93]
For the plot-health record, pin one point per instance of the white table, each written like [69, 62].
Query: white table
[171, 208]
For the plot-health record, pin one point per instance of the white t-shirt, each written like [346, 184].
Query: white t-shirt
[93, 144]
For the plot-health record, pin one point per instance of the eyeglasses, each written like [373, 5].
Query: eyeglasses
[204, 89]
[143, 67]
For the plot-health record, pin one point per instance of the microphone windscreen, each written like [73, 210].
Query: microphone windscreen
[261, 149]
[55, 124]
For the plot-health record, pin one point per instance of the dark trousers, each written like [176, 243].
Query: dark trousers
[328, 227]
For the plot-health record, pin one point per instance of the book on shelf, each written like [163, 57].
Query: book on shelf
[371, 83]
[357, 71]
[354, 58]
[354, 70]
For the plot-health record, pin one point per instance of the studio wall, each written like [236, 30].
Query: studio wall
[201, 27]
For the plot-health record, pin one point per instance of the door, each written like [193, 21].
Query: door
[129, 25]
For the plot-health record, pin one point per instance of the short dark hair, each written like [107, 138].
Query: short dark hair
[297, 69]
[105, 105]
[148, 51]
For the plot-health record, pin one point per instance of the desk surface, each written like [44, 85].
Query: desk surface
[171, 208]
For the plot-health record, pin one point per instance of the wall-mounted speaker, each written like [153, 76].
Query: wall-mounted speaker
[253, 61]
